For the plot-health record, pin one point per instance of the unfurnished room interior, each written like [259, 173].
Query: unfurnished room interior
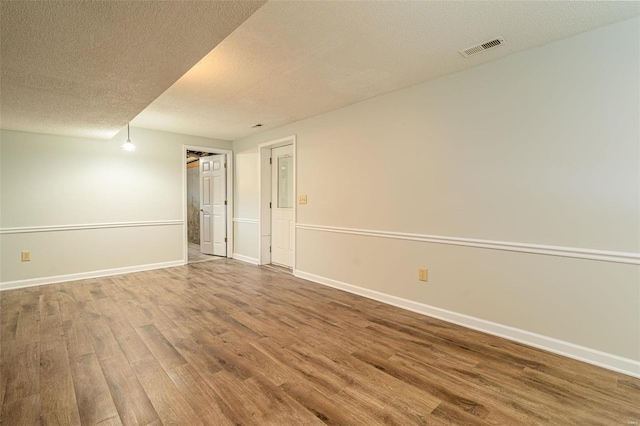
[319, 212]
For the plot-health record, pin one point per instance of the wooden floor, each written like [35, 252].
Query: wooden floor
[196, 256]
[228, 343]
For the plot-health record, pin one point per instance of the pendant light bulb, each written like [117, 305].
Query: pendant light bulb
[128, 145]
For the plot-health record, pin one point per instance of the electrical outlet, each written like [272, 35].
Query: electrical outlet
[302, 199]
[423, 274]
[26, 256]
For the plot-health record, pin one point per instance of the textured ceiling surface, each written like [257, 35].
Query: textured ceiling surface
[293, 60]
[86, 68]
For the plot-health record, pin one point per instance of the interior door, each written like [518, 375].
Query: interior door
[213, 205]
[282, 199]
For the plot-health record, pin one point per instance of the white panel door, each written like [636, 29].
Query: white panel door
[282, 199]
[213, 205]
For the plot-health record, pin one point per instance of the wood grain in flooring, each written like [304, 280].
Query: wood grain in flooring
[224, 342]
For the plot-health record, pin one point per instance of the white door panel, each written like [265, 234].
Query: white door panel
[282, 199]
[213, 206]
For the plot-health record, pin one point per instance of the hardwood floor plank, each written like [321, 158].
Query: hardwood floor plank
[224, 355]
[452, 415]
[202, 398]
[3, 380]
[48, 303]
[77, 338]
[378, 385]
[130, 342]
[113, 421]
[24, 411]
[57, 393]
[52, 330]
[496, 413]
[434, 387]
[9, 321]
[28, 326]
[326, 406]
[129, 397]
[21, 367]
[276, 406]
[92, 393]
[157, 317]
[194, 354]
[160, 347]
[167, 400]
[104, 343]
[232, 390]
[96, 289]
[135, 314]
[572, 395]
[109, 310]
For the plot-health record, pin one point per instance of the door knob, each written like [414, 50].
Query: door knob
[201, 210]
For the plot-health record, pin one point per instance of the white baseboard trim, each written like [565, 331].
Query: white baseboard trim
[9, 285]
[243, 258]
[570, 350]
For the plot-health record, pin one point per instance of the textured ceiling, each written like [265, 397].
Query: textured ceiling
[85, 68]
[292, 60]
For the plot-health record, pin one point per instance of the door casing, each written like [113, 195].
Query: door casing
[229, 159]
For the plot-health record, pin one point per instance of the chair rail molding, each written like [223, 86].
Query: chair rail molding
[245, 220]
[580, 253]
[78, 227]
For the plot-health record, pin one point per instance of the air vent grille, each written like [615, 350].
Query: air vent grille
[469, 51]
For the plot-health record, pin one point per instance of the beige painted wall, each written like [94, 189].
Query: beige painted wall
[51, 180]
[541, 147]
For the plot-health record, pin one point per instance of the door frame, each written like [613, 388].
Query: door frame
[264, 198]
[229, 160]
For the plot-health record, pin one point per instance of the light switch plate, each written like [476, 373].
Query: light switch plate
[302, 199]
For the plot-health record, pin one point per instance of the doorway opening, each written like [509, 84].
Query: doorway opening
[207, 177]
[277, 203]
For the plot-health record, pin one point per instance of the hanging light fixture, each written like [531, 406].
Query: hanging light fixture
[128, 145]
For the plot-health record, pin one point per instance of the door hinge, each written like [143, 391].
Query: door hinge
[225, 165]
[269, 249]
[269, 205]
[269, 160]
[225, 202]
[225, 239]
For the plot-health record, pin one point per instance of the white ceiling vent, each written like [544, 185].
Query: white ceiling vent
[469, 51]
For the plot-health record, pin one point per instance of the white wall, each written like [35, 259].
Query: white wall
[541, 147]
[245, 216]
[53, 181]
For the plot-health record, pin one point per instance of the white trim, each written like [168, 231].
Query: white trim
[243, 258]
[580, 253]
[7, 285]
[243, 220]
[80, 227]
[560, 347]
[229, 160]
[264, 149]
